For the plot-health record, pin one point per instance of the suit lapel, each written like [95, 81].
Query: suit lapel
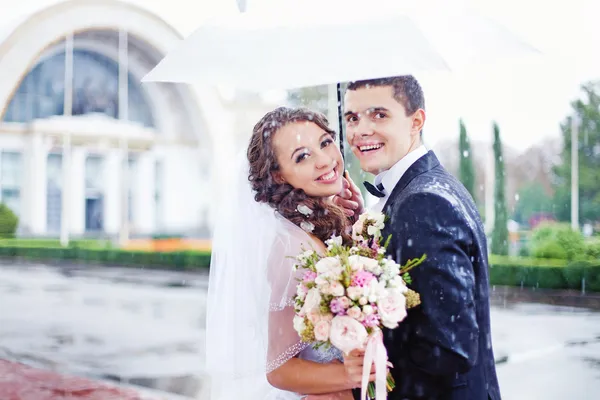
[422, 165]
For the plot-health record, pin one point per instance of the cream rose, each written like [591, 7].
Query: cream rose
[336, 289]
[392, 309]
[312, 301]
[299, 325]
[347, 334]
[355, 292]
[354, 312]
[322, 330]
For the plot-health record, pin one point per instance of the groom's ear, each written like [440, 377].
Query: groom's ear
[418, 121]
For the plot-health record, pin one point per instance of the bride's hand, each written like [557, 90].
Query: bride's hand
[353, 363]
[350, 198]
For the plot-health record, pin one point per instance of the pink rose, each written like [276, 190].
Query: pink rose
[322, 330]
[347, 334]
[354, 312]
[315, 317]
[392, 309]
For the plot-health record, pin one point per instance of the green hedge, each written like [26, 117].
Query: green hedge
[546, 274]
[504, 271]
[180, 260]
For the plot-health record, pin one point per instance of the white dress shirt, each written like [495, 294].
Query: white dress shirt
[390, 178]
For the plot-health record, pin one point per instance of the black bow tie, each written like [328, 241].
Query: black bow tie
[376, 191]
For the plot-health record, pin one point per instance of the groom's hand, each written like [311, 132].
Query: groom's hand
[353, 363]
[350, 198]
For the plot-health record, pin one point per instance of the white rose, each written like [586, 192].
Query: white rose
[327, 264]
[373, 231]
[392, 309]
[358, 227]
[299, 325]
[371, 265]
[363, 301]
[368, 310]
[377, 218]
[355, 262]
[398, 283]
[312, 301]
[376, 288]
[390, 268]
[334, 241]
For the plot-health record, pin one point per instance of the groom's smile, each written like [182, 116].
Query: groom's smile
[378, 128]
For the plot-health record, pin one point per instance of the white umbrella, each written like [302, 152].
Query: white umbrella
[308, 43]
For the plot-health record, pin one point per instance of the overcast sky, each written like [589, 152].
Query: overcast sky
[528, 99]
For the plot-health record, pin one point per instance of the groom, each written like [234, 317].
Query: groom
[443, 349]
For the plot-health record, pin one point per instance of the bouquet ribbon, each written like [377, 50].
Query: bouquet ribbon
[375, 353]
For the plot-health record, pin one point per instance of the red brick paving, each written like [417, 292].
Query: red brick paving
[22, 382]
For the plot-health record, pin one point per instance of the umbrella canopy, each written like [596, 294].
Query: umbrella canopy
[306, 43]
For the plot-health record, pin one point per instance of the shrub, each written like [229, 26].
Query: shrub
[8, 222]
[551, 240]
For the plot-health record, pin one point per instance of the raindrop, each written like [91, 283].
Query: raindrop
[466, 153]
[517, 196]
[409, 242]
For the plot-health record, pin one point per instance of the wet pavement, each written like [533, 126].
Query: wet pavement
[146, 328]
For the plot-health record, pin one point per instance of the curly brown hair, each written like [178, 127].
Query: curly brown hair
[327, 218]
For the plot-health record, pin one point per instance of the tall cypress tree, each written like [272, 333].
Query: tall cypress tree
[466, 171]
[500, 233]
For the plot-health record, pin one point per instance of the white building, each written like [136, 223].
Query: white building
[167, 128]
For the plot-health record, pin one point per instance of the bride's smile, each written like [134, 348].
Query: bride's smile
[308, 159]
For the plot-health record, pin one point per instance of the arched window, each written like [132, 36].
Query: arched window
[95, 90]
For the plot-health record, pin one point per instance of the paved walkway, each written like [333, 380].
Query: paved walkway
[146, 328]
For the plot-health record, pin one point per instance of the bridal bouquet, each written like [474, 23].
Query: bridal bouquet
[346, 296]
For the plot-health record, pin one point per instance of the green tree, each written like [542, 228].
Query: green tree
[500, 233]
[466, 169]
[587, 111]
[8, 222]
[533, 199]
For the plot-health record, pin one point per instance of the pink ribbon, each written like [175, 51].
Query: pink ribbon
[375, 353]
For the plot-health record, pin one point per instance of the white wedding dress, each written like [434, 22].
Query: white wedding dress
[249, 325]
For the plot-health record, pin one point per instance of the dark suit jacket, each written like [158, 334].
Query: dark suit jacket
[443, 349]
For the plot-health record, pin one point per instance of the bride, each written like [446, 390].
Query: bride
[279, 206]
